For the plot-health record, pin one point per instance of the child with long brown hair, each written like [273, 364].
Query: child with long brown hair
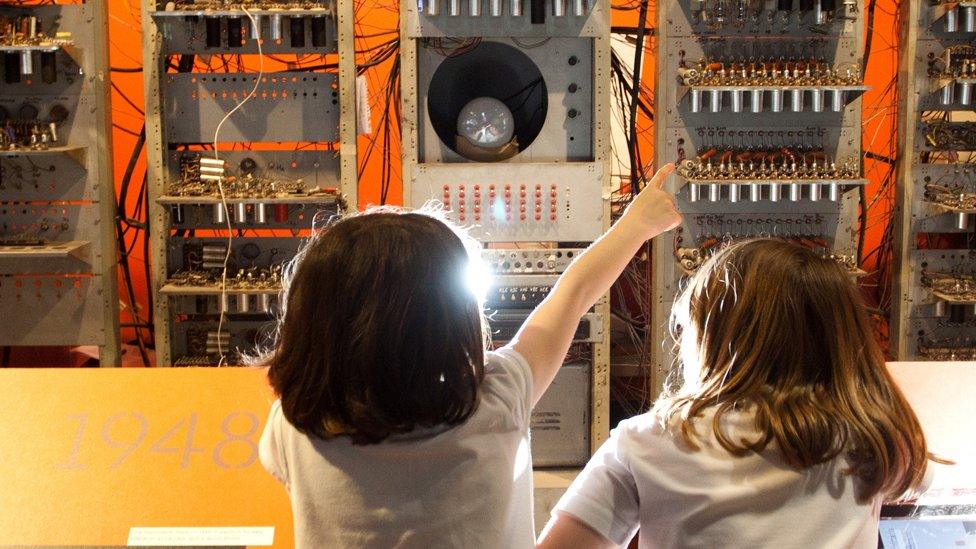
[782, 428]
[395, 427]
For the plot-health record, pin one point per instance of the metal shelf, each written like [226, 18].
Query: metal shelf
[846, 182]
[55, 250]
[300, 12]
[75, 152]
[318, 198]
[181, 290]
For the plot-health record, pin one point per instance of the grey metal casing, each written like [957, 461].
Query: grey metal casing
[64, 293]
[681, 133]
[579, 167]
[923, 37]
[297, 108]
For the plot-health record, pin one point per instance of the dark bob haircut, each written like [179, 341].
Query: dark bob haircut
[380, 333]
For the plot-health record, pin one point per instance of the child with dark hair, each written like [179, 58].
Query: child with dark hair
[394, 426]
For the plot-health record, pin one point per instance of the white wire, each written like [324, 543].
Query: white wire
[220, 188]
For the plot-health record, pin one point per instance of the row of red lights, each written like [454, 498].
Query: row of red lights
[492, 194]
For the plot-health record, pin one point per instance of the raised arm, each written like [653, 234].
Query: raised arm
[545, 337]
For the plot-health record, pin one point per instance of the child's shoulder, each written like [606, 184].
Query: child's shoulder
[508, 381]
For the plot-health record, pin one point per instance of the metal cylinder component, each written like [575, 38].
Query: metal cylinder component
[275, 25]
[756, 100]
[952, 20]
[516, 8]
[579, 8]
[281, 213]
[714, 192]
[833, 192]
[223, 303]
[946, 95]
[220, 213]
[558, 8]
[261, 213]
[495, 8]
[796, 192]
[264, 303]
[320, 34]
[838, 98]
[733, 192]
[965, 93]
[737, 96]
[715, 100]
[235, 32]
[776, 100]
[692, 192]
[815, 192]
[26, 62]
[817, 100]
[433, 8]
[211, 32]
[940, 308]
[296, 31]
[240, 212]
[474, 8]
[957, 313]
[774, 192]
[256, 27]
[755, 192]
[969, 19]
[819, 15]
[454, 7]
[696, 100]
[797, 99]
[243, 303]
[964, 221]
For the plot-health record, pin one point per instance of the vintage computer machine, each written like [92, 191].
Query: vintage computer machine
[934, 316]
[58, 283]
[759, 106]
[506, 123]
[251, 132]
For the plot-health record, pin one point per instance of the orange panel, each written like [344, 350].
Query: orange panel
[89, 453]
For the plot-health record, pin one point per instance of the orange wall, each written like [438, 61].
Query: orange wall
[376, 22]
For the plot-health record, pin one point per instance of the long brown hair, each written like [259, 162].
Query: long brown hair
[780, 330]
[380, 333]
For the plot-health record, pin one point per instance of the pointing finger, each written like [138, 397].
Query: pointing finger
[662, 175]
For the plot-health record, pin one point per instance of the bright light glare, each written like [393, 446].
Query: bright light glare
[498, 210]
[478, 278]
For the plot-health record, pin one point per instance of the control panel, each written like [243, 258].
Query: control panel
[251, 128]
[58, 282]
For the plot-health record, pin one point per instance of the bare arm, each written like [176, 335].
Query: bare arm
[545, 337]
[564, 531]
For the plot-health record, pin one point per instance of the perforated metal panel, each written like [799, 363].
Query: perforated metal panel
[556, 188]
[714, 126]
[57, 258]
[934, 320]
[293, 163]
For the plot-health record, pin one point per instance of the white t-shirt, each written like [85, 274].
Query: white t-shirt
[648, 478]
[468, 486]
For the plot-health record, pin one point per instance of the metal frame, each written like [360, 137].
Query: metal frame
[596, 26]
[92, 317]
[157, 161]
[676, 129]
[921, 35]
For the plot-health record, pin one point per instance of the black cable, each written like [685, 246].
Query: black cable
[638, 58]
[870, 34]
[126, 69]
[127, 100]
